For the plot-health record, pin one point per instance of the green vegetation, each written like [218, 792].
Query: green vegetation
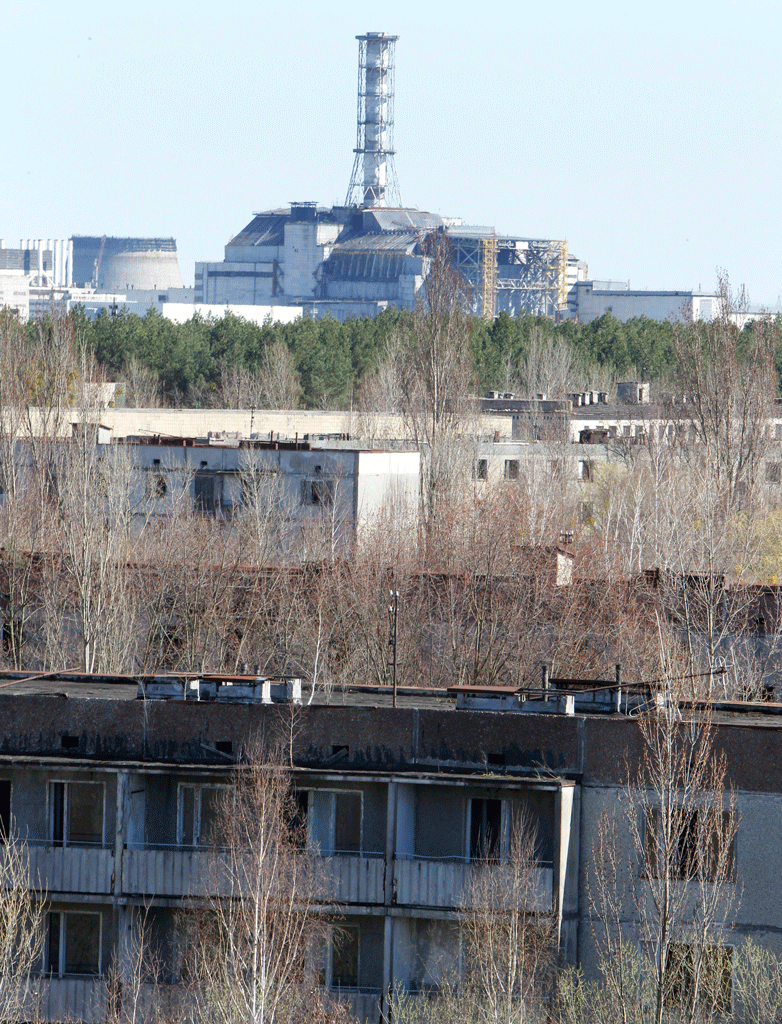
[332, 358]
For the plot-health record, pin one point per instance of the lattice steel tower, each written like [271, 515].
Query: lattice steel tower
[373, 181]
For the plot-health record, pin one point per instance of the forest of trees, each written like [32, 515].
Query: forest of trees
[204, 362]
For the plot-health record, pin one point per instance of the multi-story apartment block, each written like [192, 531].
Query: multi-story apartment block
[112, 783]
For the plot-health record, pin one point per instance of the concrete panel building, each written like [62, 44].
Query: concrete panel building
[402, 806]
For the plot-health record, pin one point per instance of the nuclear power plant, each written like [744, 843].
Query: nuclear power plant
[353, 260]
[357, 259]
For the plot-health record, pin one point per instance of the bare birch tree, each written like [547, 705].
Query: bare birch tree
[664, 865]
[250, 946]
[21, 932]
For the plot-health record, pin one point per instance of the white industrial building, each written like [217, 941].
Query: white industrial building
[359, 258]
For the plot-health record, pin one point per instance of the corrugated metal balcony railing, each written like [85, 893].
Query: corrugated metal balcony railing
[354, 879]
[82, 999]
[429, 882]
[77, 869]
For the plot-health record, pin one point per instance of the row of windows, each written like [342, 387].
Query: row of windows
[208, 490]
[441, 824]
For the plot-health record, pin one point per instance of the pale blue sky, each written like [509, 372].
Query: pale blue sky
[648, 135]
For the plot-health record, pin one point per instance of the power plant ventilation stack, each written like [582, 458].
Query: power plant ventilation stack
[377, 186]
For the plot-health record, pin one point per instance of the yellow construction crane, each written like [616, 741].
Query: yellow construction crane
[562, 282]
[488, 275]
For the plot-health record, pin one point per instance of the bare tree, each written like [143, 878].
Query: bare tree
[662, 871]
[436, 377]
[22, 912]
[729, 382]
[250, 945]
[508, 933]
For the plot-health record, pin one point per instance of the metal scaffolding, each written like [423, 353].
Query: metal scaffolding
[527, 275]
[373, 181]
[488, 276]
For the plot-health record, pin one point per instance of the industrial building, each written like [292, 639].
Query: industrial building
[359, 258]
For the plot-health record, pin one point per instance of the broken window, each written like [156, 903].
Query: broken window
[774, 472]
[77, 813]
[73, 943]
[511, 469]
[318, 492]
[344, 958]
[155, 485]
[206, 492]
[5, 809]
[695, 844]
[482, 469]
[485, 829]
[711, 965]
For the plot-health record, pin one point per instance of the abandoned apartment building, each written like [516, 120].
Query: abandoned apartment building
[111, 781]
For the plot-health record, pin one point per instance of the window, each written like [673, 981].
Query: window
[773, 472]
[586, 513]
[199, 814]
[318, 492]
[511, 469]
[712, 964]
[5, 808]
[206, 492]
[336, 821]
[626, 430]
[155, 485]
[482, 469]
[74, 941]
[696, 843]
[77, 813]
[485, 829]
[586, 470]
[344, 958]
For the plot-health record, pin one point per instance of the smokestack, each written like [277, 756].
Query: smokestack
[373, 180]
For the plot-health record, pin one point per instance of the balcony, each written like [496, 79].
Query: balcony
[77, 869]
[422, 882]
[168, 871]
[354, 879]
[82, 999]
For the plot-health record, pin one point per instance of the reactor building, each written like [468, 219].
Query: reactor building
[357, 259]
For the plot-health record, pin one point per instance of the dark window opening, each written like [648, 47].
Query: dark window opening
[204, 492]
[74, 944]
[318, 492]
[344, 958]
[156, 486]
[712, 966]
[5, 808]
[495, 759]
[697, 844]
[69, 742]
[224, 746]
[482, 469]
[347, 823]
[485, 829]
[511, 469]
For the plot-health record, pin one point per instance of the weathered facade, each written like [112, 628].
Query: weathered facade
[110, 787]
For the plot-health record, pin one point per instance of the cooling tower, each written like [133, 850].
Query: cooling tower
[122, 264]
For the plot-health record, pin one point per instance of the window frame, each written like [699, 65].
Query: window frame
[681, 871]
[198, 842]
[65, 842]
[63, 915]
[332, 851]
